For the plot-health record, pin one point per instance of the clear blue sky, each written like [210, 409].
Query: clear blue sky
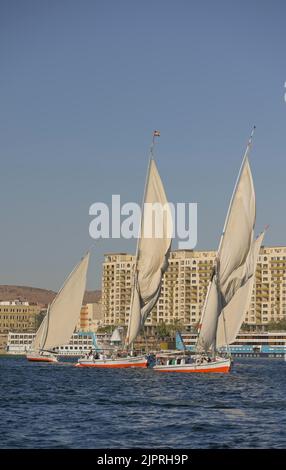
[82, 86]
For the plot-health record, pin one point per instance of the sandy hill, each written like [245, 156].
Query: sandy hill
[40, 296]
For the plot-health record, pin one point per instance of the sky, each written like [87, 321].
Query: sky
[82, 86]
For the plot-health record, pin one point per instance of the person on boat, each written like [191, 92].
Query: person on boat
[90, 355]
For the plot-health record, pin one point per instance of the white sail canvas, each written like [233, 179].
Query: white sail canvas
[58, 326]
[153, 252]
[208, 325]
[41, 333]
[231, 266]
[232, 317]
[238, 237]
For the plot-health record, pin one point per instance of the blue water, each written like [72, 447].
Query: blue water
[61, 406]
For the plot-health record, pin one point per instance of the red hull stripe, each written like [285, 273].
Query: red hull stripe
[223, 369]
[31, 359]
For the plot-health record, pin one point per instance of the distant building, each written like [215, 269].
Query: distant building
[18, 316]
[185, 286]
[183, 290]
[116, 288]
[268, 302]
[90, 317]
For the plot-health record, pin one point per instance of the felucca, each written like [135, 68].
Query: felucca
[151, 262]
[230, 288]
[62, 316]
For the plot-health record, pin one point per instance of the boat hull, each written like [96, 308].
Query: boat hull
[41, 358]
[120, 363]
[221, 366]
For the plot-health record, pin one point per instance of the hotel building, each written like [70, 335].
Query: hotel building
[268, 302]
[18, 316]
[185, 285]
[183, 290]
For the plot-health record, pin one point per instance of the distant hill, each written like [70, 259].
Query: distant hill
[39, 296]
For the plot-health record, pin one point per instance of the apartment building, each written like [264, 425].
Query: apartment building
[268, 301]
[183, 290]
[185, 285]
[116, 288]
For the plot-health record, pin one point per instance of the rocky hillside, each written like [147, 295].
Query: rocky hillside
[40, 296]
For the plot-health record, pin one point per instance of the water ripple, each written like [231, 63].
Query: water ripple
[60, 406]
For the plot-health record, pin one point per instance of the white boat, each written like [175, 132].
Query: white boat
[113, 362]
[112, 356]
[246, 344]
[20, 343]
[62, 316]
[151, 262]
[42, 356]
[229, 291]
[180, 362]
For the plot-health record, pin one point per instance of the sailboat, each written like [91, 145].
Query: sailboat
[230, 288]
[62, 316]
[151, 262]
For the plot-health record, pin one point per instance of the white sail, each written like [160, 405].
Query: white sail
[41, 332]
[208, 326]
[236, 241]
[238, 236]
[59, 323]
[153, 252]
[230, 321]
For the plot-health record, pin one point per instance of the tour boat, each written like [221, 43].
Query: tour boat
[112, 357]
[186, 363]
[113, 362]
[62, 316]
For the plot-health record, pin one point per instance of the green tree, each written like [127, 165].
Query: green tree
[276, 325]
[168, 331]
[106, 329]
[39, 318]
[109, 328]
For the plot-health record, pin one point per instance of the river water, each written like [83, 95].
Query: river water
[61, 406]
